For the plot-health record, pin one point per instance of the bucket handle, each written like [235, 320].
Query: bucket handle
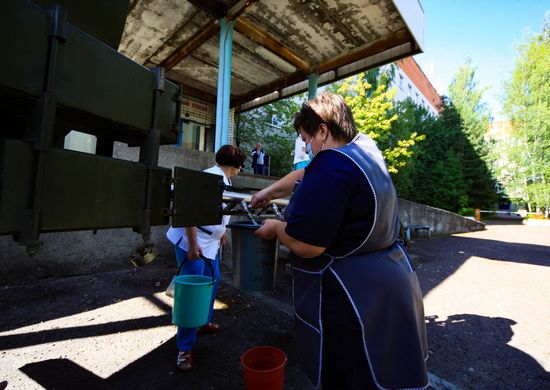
[208, 261]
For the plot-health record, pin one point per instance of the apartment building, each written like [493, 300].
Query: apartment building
[411, 82]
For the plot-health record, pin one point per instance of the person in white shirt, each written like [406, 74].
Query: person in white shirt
[199, 242]
[301, 157]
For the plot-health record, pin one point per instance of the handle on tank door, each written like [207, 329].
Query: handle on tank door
[208, 261]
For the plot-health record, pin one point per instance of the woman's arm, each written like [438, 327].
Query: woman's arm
[279, 189]
[272, 229]
[195, 251]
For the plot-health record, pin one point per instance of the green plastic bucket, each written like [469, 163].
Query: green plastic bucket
[254, 259]
[192, 298]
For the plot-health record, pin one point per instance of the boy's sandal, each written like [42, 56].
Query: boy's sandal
[208, 328]
[185, 360]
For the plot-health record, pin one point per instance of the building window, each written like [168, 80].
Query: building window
[192, 135]
[416, 98]
[410, 91]
[401, 82]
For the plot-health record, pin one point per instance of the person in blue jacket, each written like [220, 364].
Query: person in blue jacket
[358, 305]
[199, 242]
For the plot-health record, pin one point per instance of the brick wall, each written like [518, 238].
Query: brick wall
[415, 74]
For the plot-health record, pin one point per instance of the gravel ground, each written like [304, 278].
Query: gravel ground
[486, 299]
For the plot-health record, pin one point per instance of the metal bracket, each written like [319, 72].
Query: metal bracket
[242, 190]
[175, 127]
[171, 180]
[31, 221]
[57, 26]
[169, 212]
[160, 78]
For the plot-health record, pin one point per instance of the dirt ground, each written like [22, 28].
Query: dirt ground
[486, 300]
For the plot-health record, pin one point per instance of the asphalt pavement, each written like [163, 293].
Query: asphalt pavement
[486, 301]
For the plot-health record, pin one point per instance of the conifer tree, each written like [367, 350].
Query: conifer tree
[466, 96]
[438, 179]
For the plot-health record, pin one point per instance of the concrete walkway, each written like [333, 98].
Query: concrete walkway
[486, 299]
[487, 303]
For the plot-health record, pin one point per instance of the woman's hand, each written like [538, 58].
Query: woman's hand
[223, 240]
[272, 229]
[260, 199]
[194, 252]
[268, 229]
[281, 188]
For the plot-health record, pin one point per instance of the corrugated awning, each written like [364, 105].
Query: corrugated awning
[276, 43]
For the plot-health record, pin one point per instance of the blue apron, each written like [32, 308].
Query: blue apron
[386, 296]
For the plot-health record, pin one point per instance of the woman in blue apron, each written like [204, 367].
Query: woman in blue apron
[358, 305]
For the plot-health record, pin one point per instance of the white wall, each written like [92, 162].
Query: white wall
[405, 88]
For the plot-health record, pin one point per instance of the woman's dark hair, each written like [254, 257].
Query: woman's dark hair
[330, 109]
[230, 155]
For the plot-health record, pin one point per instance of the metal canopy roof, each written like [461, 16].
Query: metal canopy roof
[333, 39]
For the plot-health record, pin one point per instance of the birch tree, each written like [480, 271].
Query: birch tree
[526, 101]
[373, 114]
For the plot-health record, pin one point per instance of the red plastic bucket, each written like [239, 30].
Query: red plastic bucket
[264, 368]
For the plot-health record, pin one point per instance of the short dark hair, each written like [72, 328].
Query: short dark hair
[230, 155]
[330, 109]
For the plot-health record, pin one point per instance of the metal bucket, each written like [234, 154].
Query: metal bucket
[254, 259]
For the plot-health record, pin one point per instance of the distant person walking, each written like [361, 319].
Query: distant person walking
[258, 160]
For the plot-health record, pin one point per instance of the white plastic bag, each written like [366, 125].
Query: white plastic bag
[170, 289]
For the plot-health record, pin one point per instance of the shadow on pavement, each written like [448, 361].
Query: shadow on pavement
[49, 299]
[481, 356]
[505, 274]
[468, 350]
[246, 322]
[462, 248]
[454, 251]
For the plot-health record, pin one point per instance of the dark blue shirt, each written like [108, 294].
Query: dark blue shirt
[334, 207]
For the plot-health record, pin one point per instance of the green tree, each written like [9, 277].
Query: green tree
[438, 178]
[382, 76]
[272, 126]
[280, 143]
[244, 133]
[526, 101]
[511, 175]
[466, 96]
[373, 115]
[410, 122]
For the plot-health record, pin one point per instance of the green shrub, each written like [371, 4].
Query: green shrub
[467, 212]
